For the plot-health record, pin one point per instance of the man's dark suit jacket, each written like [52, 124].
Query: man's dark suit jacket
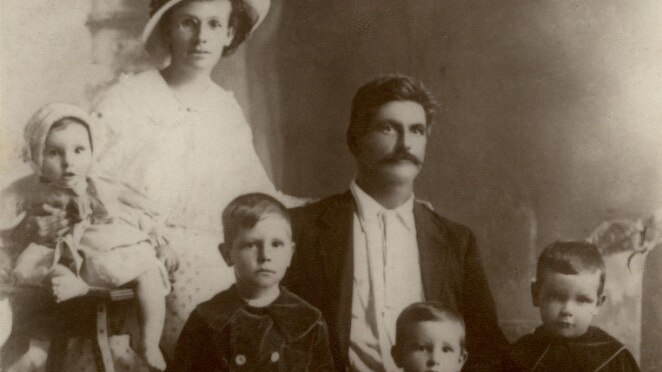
[322, 272]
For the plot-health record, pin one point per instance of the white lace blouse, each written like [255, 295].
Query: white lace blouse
[190, 161]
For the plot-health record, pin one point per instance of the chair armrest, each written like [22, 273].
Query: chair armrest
[114, 294]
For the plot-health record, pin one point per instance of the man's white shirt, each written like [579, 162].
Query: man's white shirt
[387, 278]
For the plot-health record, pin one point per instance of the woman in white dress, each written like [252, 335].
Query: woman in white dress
[183, 141]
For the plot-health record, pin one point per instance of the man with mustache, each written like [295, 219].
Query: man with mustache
[364, 255]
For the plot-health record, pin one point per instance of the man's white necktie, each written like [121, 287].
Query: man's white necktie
[390, 238]
[395, 289]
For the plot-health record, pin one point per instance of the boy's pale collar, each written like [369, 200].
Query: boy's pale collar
[264, 300]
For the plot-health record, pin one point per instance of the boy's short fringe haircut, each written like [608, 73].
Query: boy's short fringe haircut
[572, 257]
[425, 312]
[245, 211]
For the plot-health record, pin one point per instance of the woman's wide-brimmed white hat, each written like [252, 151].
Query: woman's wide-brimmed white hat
[255, 12]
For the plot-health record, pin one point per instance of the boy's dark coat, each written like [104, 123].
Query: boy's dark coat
[322, 273]
[594, 351]
[224, 334]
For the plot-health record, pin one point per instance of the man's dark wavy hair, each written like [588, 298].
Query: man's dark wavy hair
[377, 92]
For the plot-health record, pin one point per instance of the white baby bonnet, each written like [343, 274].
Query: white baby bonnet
[40, 124]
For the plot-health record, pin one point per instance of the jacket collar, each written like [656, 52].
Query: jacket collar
[293, 317]
[592, 350]
[433, 243]
[338, 261]
[336, 222]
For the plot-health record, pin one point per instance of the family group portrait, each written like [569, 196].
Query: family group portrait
[347, 185]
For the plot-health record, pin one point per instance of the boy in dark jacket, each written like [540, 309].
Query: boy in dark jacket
[255, 325]
[568, 290]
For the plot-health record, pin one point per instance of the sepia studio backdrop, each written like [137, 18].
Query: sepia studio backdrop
[550, 119]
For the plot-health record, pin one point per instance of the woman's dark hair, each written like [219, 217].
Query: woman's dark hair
[242, 23]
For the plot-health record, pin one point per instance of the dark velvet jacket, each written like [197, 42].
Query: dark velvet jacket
[225, 334]
[322, 273]
[594, 351]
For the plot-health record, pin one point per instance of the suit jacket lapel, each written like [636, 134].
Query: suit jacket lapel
[336, 255]
[433, 253]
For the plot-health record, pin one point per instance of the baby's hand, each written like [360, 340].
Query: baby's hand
[168, 256]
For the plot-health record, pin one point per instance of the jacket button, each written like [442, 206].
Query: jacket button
[240, 360]
[275, 356]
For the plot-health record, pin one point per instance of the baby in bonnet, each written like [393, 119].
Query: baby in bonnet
[75, 230]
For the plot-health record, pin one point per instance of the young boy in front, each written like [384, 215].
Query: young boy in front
[429, 338]
[255, 325]
[568, 290]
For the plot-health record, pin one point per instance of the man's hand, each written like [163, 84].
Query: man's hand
[168, 256]
[44, 227]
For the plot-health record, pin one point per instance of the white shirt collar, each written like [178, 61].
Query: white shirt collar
[369, 209]
[265, 300]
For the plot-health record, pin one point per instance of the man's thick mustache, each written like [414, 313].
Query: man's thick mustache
[400, 156]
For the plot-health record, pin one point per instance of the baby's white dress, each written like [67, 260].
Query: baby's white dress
[110, 244]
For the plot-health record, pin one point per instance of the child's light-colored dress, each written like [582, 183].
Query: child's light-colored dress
[190, 162]
[110, 244]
